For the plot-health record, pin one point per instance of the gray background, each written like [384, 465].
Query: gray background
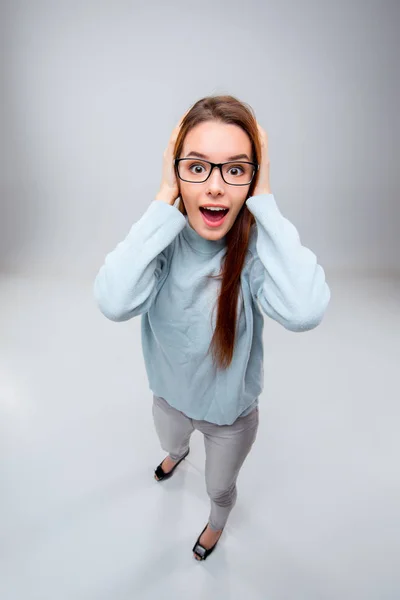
[90, 92]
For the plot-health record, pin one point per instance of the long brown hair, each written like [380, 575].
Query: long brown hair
[226, 109]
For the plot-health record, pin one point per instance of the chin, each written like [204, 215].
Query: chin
[213, 235]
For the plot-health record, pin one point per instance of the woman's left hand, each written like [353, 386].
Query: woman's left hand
[263, 186]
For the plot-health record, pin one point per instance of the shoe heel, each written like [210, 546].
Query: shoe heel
[160, 473]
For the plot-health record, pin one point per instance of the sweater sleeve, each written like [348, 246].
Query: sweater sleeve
[128, 281]
[284, 276]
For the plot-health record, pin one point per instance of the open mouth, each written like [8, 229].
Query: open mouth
[213, 218]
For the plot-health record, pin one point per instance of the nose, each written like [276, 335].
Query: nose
[215, 178]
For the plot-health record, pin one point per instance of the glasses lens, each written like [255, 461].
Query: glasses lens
[197, 171]
[238, 172]
[193, 170]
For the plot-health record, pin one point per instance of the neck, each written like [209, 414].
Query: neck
[201, 244]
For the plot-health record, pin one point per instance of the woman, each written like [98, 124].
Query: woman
[177, 264]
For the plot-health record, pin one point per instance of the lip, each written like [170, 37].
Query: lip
[214, 206]
[214, 223]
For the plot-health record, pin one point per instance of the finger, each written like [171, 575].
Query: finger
[263, 138]
[261, 130]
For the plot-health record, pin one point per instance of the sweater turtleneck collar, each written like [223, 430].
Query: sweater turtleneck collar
[200, 244]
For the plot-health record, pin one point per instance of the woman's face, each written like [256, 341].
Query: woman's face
[218, 142]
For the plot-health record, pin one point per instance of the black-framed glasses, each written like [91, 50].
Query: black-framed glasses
[234, 172]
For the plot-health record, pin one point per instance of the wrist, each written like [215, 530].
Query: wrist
[263, 191]
[165, 196]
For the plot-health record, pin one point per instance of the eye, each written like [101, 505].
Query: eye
[236, 168]
[197, 166]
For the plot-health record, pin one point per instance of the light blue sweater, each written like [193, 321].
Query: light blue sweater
[159, 271]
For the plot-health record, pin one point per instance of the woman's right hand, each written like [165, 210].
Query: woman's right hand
[169, 189]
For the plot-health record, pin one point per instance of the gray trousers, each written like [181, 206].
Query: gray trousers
[226, 448]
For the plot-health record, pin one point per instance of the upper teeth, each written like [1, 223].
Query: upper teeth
[214, 208]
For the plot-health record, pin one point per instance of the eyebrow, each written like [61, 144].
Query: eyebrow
[200, 155]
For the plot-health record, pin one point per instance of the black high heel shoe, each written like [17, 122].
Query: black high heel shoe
[160, 473]
[199, 550]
